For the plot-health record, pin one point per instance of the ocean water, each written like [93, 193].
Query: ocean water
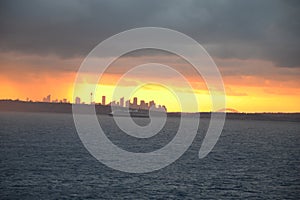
[42, 157]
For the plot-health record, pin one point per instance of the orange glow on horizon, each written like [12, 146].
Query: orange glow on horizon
[251, 98]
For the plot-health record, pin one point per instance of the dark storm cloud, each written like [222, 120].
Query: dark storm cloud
[267, 30]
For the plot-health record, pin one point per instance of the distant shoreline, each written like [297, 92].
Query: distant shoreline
[44, 107]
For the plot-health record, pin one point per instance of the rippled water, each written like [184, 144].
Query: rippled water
[42, 158]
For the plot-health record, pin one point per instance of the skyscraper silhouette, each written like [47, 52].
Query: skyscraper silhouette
[103, 100]
[135, 101]
[122, 102]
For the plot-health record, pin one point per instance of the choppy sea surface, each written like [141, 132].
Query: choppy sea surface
[42, 157]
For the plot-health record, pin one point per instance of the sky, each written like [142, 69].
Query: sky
[255, 45]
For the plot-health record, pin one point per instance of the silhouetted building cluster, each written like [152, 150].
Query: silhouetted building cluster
[47, 99]
[134, 105]
[121, 103]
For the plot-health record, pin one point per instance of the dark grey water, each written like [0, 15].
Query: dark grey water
[42, 157]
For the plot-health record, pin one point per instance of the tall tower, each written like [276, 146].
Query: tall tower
[91, 97]
[135, 101]
[103, 100]
[122, 102]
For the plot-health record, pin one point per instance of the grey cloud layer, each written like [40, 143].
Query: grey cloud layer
[267, 30]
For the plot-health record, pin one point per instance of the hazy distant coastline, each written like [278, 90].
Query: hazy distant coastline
[24, 106]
